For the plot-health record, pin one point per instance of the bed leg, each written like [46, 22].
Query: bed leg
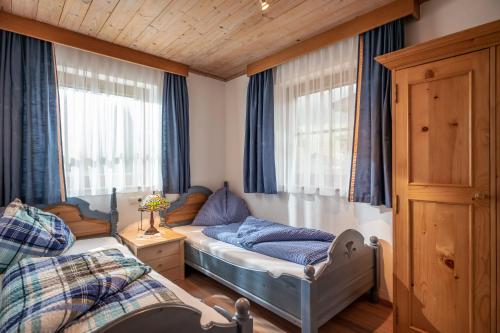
[242, 316]
[374, 243]
[308, 300]
[308, 327]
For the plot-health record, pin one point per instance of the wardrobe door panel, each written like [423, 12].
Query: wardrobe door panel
[442, 180]
[441, 133]
[440, 283]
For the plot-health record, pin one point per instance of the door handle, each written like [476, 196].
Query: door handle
[480, 196]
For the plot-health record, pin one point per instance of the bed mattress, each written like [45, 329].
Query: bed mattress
[208, 314]
[239, 256]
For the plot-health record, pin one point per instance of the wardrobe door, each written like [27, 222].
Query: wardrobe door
[442, 181]
[496, 202]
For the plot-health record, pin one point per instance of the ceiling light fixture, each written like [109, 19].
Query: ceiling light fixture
[264, 5]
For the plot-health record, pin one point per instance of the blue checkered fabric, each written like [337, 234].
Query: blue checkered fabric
[32, 232]
[299, 245]
[76, 293]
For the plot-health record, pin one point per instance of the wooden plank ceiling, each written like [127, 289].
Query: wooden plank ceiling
[216, 37]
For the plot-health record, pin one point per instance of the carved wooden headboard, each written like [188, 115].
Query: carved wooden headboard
[183, 210]
[83, 221]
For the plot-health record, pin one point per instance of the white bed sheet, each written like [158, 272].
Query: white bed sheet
[208, 314]
[239, 256]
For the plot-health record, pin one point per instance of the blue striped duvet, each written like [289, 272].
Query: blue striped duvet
[300, 245]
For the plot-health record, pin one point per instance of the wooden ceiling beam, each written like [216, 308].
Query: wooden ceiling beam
[83, 42]
[385, 14]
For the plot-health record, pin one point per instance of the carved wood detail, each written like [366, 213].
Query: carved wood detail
[186, 207]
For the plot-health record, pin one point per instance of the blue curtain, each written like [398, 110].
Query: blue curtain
[372, 169]
[175, 135]
[29, 150]
[259, 167]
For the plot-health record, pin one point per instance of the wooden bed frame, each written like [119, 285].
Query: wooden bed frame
[86, 223]
[352, 269]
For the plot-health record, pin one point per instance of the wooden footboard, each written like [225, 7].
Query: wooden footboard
[161, 318]
[352, 270]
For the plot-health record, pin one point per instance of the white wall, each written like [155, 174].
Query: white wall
[206, 112]
[443, 17]
[207, 124]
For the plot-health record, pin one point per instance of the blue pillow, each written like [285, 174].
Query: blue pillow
[222, 207]
[32, 232]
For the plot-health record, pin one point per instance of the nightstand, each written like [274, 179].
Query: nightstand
[164, 254]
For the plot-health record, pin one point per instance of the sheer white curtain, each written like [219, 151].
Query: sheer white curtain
[314, 109]
[110, 123]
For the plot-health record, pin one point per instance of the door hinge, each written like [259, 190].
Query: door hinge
[396, 93]
[396, 204]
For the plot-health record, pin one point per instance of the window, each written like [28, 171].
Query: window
[110, 124]
[314, 118]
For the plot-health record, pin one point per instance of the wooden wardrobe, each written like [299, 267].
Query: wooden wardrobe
[446, 151]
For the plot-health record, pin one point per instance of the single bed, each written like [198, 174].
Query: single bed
[241, 257]
[96, 231]
[308, 296]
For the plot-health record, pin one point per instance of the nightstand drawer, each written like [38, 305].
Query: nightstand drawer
[163, 263]
[173, 274]
[162, 250]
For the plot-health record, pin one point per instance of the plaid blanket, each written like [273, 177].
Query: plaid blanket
[76, 293]
[32, 232]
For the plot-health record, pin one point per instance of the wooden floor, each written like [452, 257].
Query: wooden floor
[362, 316]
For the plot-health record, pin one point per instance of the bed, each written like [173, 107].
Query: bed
[307, 296]
[96, 231]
